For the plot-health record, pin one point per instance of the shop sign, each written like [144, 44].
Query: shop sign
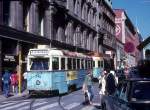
[10, 58]
[39, 52]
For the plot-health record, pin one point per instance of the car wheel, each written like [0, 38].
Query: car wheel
[104, 106]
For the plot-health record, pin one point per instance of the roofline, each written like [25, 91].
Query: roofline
[144, 43]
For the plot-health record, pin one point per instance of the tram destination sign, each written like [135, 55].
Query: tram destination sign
[39, 52]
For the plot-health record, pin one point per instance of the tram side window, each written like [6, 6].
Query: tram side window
[63, 63]
[74, 63]
[99, 64]
[39, 64]
[86, 64]
[93, 63]
[78, 63]
[102, 64]
[55, 63]
[82, 63]
[69, 63]
[89, 64]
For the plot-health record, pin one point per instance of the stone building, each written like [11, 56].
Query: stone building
[128, 39]
[107, 29]
[75, 25]
[144, 47]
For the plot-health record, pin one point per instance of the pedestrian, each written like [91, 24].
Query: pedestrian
[88, 87]
[110, 83]
[102, 83]
[115, 76]
[14, 82]
[25, 80]
[126, 72]
[6, 82]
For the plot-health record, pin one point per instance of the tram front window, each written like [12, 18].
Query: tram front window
[39, 64]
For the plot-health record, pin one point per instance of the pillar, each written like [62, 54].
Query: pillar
[1, 12]
[16, 14]
[33, 17]
[0, 66]
[49, 22]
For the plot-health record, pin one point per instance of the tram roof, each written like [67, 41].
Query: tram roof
[57, 52]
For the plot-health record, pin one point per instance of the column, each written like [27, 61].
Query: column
[0, 66]
[33, 17]
[1, 12]
[16, 14]
[48, 22]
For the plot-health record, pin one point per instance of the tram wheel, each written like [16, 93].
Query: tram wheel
[72, 88]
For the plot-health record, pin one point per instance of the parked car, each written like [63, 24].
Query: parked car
[131, 94]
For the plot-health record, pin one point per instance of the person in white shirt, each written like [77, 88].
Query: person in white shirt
[102, 83]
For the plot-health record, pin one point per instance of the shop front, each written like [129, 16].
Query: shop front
[14, 47]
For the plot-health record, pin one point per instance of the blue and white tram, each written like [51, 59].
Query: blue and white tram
[98, 66]
[52, 69]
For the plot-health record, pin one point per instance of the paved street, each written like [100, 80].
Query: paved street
[72, 101]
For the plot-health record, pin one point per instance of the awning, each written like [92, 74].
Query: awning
[11, 33]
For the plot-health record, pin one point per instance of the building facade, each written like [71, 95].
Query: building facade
[127, 40]
[144, 47]
[108, 32]
[76, 25]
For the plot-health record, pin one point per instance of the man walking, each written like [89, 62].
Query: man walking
[88, 87]
[6, 82]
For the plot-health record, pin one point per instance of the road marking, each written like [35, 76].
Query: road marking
[1, 106]
[16, 106]
[34, 105]
[38, 103]
[47, 107]
[72, 105]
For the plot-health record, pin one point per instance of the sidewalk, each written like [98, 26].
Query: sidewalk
[11, 97]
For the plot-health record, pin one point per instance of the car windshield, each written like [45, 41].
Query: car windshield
[141, 90]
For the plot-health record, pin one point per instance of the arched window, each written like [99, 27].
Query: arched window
[83, 11]
[70, 5]
[84, 38]
[77, 36]
[89, 16]
[77, 9]
[91, 41]
[88, 41]
[69, 32]
[94, 19]
[60, 34]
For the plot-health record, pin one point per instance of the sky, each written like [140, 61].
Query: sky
[139, 13]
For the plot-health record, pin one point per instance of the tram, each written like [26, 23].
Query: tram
[50, 69]
[98, 64]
